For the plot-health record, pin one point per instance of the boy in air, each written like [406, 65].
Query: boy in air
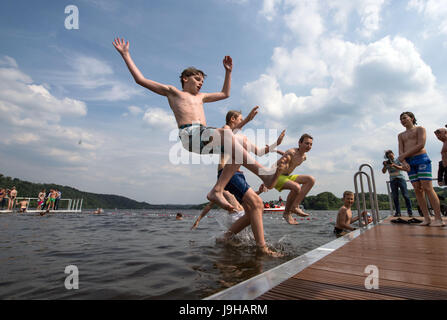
[187, 106]
[293, 182]
[344, 216]
[413, 156]
[441, 134]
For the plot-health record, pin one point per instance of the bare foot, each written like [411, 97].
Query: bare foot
[437, 223]
[288, 217]
[425, 223]
[271, 179]
[265, 250]
[219, 199]
[299, 212]
[228, 239]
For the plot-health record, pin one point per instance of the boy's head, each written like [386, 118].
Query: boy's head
[233, 116]
[408, 114]
[348, 197]
[191, 71]
[306, 142]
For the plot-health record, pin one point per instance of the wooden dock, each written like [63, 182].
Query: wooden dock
[411, 261]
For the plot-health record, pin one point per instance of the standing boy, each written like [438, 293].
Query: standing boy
[441, 134]
[187, 106]
[293, 182]
[413, 156]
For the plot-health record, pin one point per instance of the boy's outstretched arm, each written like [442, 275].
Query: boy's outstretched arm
[123, 48]
[248, 118]
[225, 93]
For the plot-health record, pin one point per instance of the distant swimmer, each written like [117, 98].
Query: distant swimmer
[413, 155]
[344, 216]
[299, 185]
[98, 211]
[194, 133]
[179, 216]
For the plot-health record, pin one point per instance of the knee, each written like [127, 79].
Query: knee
[296, 187]
[311, 180]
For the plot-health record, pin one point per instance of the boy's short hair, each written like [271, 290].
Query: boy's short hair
[410, 114]
[190, 72]
[347, 192]
[304, 136]
[231, 114]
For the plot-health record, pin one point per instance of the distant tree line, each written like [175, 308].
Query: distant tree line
[321, 201]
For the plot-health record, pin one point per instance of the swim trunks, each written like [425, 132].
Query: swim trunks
[420, 168]
[197, 138]
[237, 185]
[338, 232]
[283, 179]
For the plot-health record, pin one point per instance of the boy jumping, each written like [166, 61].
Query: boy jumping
[187, 106]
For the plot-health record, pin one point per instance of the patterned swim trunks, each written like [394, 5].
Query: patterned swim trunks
[420, 168]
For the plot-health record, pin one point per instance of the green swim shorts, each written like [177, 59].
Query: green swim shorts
[283, 179]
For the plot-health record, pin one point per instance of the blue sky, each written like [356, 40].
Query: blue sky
[342, 71]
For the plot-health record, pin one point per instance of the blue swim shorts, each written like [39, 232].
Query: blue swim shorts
[237, 185]
[420, 168]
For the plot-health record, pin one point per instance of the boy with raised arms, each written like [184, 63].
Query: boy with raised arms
[187, 105]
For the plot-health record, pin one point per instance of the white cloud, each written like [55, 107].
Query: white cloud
[435, 12]
[30, 119]
[159, 118]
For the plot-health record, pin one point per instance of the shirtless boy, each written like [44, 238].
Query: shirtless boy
[12, 198]
[187, 106]
[344, 216]
[251, 202]
[413, 156]
[441, 134]
[293, 182]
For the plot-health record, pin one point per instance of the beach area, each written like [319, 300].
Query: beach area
[141, 254]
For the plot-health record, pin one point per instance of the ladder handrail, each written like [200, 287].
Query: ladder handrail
[372, 194]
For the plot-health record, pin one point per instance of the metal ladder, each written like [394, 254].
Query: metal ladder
[372, 194]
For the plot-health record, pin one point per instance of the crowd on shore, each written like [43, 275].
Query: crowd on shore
[46, 201]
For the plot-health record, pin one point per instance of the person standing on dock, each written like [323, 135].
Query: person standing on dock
[12, 198]
[397, 181]
[2, 197]
[414, 158]
[441, 134]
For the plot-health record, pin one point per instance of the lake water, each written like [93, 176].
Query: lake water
[141, 254]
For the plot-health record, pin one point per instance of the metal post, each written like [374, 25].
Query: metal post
[372, 195]
[389, 196]
[376, 202]
[80, 208]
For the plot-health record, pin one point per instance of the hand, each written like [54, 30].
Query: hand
[228, 63]
[252, 114]
[262, 188]
[281, 136]
[405, 166]
[121, 46]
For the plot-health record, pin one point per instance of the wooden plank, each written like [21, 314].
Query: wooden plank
[411, 260]
[386, 287]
